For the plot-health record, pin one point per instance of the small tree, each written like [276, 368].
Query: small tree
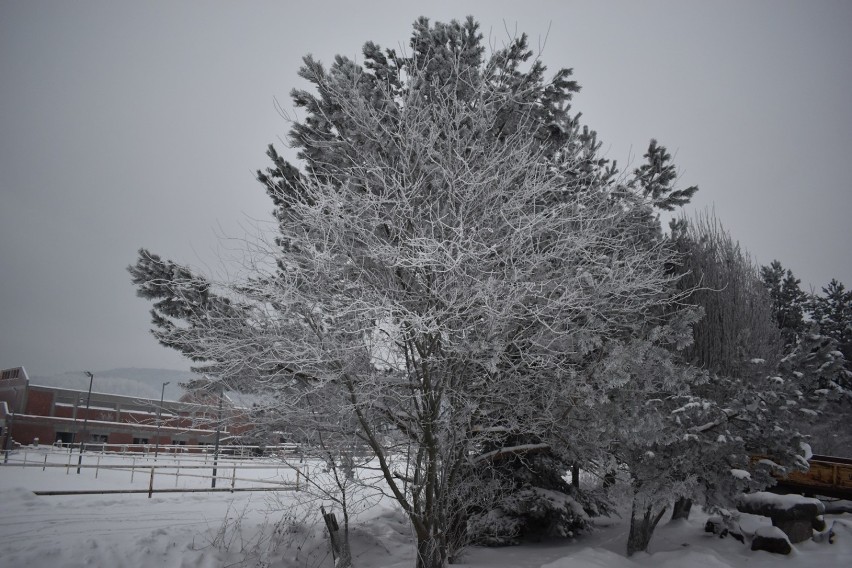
[642, 424]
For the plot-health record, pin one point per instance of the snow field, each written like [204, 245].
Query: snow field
[262, 529]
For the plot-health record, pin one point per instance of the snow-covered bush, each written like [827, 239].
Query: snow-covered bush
[528, 513]
[532, 501]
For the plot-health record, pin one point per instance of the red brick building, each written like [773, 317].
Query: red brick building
[53, 414]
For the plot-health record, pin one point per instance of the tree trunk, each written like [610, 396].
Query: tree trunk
[642, 529]
[681, 508]
[431, 552]
[345, 558]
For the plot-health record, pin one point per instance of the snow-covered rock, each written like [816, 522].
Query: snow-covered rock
[793, 514]
[771, 539]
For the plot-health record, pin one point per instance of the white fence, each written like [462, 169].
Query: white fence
[235, 468]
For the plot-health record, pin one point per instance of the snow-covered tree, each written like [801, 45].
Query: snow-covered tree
[818, 351]
[536, 499]
[640, 424]
[448, 265]
[181, 298]
[789, 302]
[748, 406]
[818, 369]
[738, 324]
[832, 313]
[817, 354]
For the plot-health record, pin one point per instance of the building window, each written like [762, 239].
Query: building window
[64, 437]
[140, 440]
[10, 374]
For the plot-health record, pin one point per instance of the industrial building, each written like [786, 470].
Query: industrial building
[31, 414]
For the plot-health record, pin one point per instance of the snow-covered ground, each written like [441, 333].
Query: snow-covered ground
[260, 529]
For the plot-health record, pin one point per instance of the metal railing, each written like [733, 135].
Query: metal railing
[186, 465]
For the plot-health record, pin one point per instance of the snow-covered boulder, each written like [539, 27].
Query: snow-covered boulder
[793, 514]
[723, 527]
[771, 539]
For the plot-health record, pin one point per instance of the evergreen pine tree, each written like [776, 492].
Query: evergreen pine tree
[788, 300]
[817, 367]
[182, 301]
[744, 407]
[832, 313]
[657, 179]
[454, 198]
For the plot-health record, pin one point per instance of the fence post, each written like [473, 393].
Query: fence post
[234, 478]
[132, 469]
[45, 463]
[298, 474]
[97, 467]
[25, 459]
[68, 465]
[177, 473]
[337, 546]
[151, 484]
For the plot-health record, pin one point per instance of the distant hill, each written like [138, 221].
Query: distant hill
[142, 383]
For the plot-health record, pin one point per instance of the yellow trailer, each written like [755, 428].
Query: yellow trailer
[827, 475]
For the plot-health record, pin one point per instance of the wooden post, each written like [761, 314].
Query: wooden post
[298, 474]
[339, 549]
[132, 469]
[177, 473]
[151, 484]
[68, 465]
[234, 478]
[45, 463]
[25, 459]
[97, 467]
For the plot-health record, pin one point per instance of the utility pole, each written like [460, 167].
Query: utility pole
[85, 421]
[159, 414]
[218, 433]
[8, 444]
[9, 438]
[77, 404]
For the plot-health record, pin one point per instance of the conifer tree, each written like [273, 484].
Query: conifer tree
[748, 404]
[530, 480]
[657, 179]
[825, 358]
[454, 265]
[181, 301]
[832, 313]
[818, 369]
[789, 302]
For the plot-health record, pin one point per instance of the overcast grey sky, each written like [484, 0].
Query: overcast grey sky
[130, 124]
